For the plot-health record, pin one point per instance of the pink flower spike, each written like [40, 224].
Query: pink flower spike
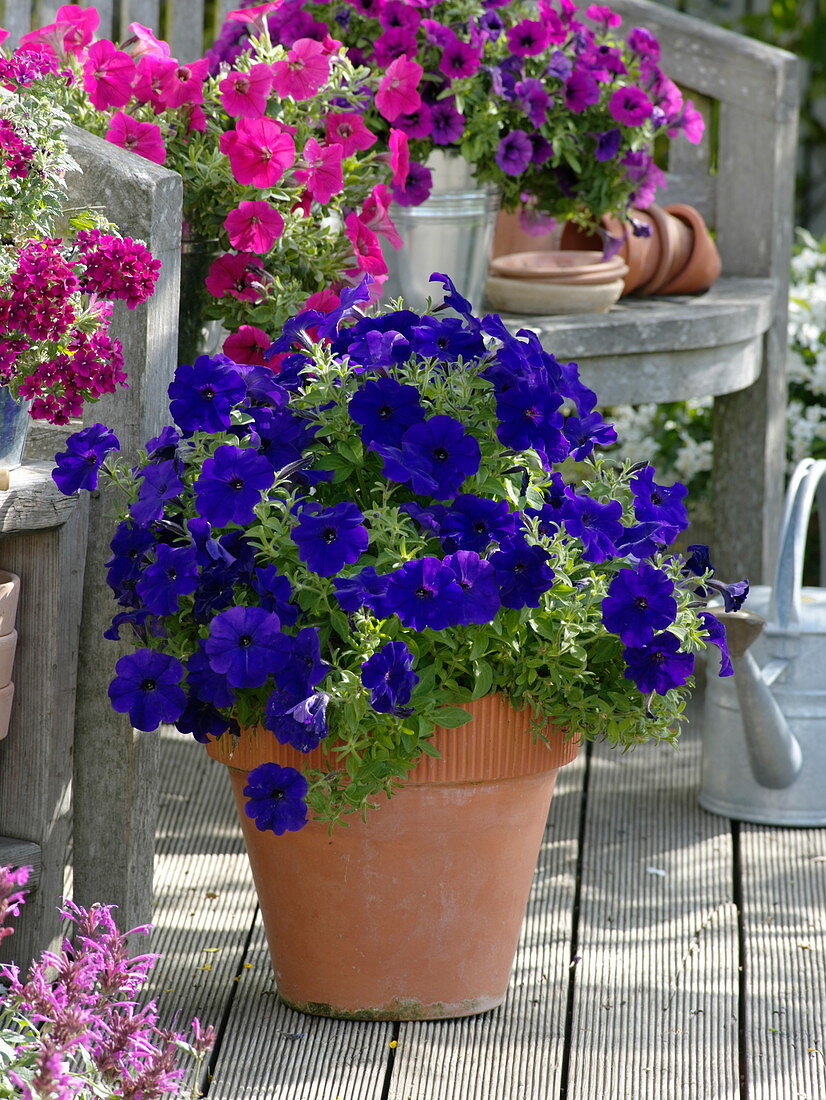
[184, 83]
[397, 94]
[143, 138]
[323, 177]
[233, 275]
[365, 245]
[348, 131]
[145, 43]
[259, 151]
[399, 157]
[247, 345]
[254, 226]
[303, 72]
[108, 76]
[244, 95]
[374, 214]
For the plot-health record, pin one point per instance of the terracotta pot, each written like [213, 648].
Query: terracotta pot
[9, 597]
[562, 266]
[674, 241]
[509, 236]
[414, 913]
[6, 698]
[703, 266]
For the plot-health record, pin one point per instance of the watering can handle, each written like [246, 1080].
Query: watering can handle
[808, 479]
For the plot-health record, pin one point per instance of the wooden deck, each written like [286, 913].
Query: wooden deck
[667, 954]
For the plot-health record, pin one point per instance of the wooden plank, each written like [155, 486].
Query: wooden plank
[656, 991]
[185, 19]
[16, 18]
[146, 12]
[517, 1050]
[22, 853]
[32, 501]
[784, 919]
[204, 895]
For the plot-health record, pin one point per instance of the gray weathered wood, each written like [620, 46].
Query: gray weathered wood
[186, 29]
[36, 756]
[116, 766]
[15, 17]
[657, 977]
[784, 919]
[518, 1049]
[22, 853]
[33, 502]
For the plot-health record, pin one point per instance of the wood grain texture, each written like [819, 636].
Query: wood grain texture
[22, 853]
[784, 919]
[516, 1050]
[655, 1010]
[187, 32]
[33, 502]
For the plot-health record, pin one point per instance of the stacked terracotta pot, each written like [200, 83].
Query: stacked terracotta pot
[9, 594]
[556, 281]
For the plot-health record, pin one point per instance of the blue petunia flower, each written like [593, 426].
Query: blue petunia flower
[275, 593]
[658, 666]
[385, 409]
[164, 445]
[147, 687]
[300, 721]
[584, 433]
[299, 667]
[329, 538]
[366, 588]
[78, 466]
[716, 634]
[389, 677]
[639, 603]
[596, 523]
[446, 339]
[662, 504]
[201, 396]
[173, 573]
[159, 482]
[423, 593]
[129, 546]
[472, 523]
[231, 484]
[529, 418]
[522, 573]
[479, 601]
[454, 300]
[242, 645]
[276, 798]
[204, 721]
[435, 457]
[202, 680]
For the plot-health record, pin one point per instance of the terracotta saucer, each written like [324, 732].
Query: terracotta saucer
[583, 278]
[526, 297]
[552, 264]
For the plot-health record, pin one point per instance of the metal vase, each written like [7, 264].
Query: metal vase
[14, 426]
[450, 232]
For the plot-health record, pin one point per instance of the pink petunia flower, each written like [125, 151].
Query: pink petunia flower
[375, 216]
[326, 300]
[234, 275]
[365, 245]
[528, 38]
[244, 95]
[303, 72]
[259, 151]
[348, 130]
[630, 106]
[146, 43]
[255, 15]
[253, 226]
[78, 26]
[184, 83]
[399, 156]
[323, 176]
[143, 138]
[604, 15]
[397, 92]
[4, 34]
[247, 345]
[108, 75]
[691, 122]
[152, 72]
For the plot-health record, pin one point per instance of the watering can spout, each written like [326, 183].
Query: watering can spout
[773, 750]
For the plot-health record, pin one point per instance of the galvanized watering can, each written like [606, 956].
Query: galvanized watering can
[764, 733]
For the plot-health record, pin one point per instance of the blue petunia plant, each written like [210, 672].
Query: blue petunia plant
[399, 514]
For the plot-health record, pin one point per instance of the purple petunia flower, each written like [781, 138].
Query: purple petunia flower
[416, 187]
[528, 37]
[366, 589]
[276, 798]
[534, 100]
[159, 482]
[389, 677]
[658, 666]
[77, 467]
[173, 573]
[201, 396]
[230, 485]
[147, 687]
[522, 573]
[298, 721]
[734, 595]
[275, 593]
[479, 601]
[639, 603]
[203, 721]
[529, 418]
[630, 106]
[203, 681]
[581, 91]
[385, 409]
[300, 667]
[242, 645]
[328, 538]
[423, 593]
[716, 635]
[472, 523]
[435, 457]
[608, 144]
[446, 123]
[460, 59]
[583, 433]
[596, 523]
[659, 504]
[514, 153]
[446, 339]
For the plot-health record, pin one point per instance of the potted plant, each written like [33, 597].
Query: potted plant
[284, 184]
[389, 583]
[60, 270]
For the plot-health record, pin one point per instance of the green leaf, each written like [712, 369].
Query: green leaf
[452, 717]
[483, 678]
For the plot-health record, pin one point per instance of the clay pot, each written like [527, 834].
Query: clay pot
[538, 297]
[509, 236]
[414, 913]
[703, 266]
[9, 597]
[563, 267]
